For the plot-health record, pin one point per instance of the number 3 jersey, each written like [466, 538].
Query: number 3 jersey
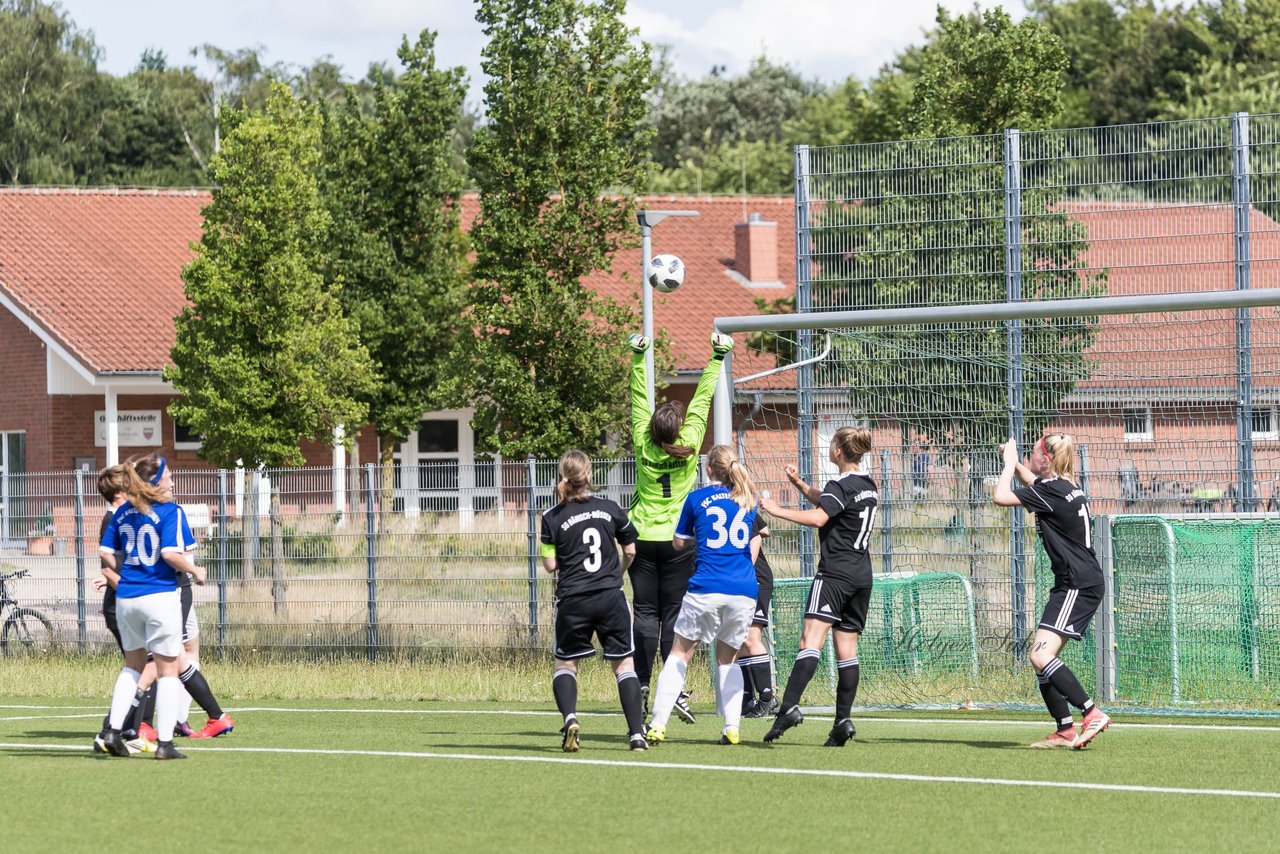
[851, 502]
[580, 535]
[722, 529]
[1062, 520]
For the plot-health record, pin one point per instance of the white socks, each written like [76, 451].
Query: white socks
[670, 684]
[731, 694]
[122, 696]
[168, 697]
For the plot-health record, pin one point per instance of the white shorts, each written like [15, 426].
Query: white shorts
[705, 617]
[152, 622]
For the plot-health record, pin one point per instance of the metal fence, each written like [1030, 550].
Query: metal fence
[1173, 411]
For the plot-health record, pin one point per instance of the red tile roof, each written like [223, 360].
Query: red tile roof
[87, 264]
[100, 270]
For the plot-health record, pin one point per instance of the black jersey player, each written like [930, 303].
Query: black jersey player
[578, 545]
[845, 516]
[1062, 521]
[754, 658]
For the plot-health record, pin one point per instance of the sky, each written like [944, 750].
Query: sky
[826, 40]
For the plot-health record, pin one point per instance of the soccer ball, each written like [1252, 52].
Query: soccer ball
[666, 273]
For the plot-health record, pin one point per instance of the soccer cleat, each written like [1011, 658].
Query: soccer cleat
[569, 744]
[730, 736]
[183, 729]
[682, 710]
[216, 727]
[114, 744]
[100, 743]
[656, 734]
[764, 709]
[644, 701]
[166, 750]
[783, 722]
[841, 733]
[638, 742]
[1061, 738]
[1094, 724]
[638, 343]
[140, 745]
[721, 343]
[147, 731]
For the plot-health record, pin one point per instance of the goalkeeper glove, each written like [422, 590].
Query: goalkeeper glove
[721, 343]
[637, 342]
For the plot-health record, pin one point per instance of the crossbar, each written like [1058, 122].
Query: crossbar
[1029, 310]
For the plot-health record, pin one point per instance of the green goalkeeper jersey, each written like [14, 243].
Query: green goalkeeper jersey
[663, 481]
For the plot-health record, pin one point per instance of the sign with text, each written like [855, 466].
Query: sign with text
[137, 428]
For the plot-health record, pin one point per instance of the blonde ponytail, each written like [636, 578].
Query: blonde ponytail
[136, 474]
[575, 477]
[1060, 448]
[723, 464]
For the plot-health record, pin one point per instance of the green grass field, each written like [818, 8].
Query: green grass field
[484, 776]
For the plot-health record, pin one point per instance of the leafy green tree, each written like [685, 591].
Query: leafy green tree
[264, 355]
[392, 188]
[564, 147]
[49, 100]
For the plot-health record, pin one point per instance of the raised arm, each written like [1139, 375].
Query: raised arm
[695, 419]
[1004, 495]
[808, 491]
[640, 412]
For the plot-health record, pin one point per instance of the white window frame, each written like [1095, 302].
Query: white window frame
[1270, 435]
[1144, 436]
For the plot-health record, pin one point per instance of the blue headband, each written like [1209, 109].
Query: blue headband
[155, 478]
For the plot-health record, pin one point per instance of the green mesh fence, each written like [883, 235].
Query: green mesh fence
[1197, 613]
[920, 646]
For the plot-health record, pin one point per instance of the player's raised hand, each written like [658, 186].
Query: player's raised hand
[1009, 452]
[721, 343]
[638, 343]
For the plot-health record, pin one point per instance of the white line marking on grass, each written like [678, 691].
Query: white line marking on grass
[689, 766]
[857, 717]
[50, 717]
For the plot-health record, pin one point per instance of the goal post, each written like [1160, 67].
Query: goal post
[1177, 455]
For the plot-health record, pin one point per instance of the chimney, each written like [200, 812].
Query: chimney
[756, 249]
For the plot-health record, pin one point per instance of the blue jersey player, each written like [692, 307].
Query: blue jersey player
[721, 597]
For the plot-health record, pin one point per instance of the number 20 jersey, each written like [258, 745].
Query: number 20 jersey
[722, 529]
[851, 502]
[580, 535]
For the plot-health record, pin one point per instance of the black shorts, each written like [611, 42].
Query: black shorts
[839, 601]
[764, 596]
[604, 614]
[1070, 609]
[109, 616]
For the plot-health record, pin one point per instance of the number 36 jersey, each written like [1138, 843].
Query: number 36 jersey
[580, 535]
[722, 529]
[851, 502]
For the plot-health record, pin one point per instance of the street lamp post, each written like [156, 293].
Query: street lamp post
[648, 219]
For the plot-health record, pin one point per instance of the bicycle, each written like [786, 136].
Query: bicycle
[26, 631]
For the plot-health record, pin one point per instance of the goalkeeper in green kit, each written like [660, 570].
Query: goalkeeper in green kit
[666, 445]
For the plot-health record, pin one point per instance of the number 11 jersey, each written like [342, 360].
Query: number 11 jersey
[851, 502]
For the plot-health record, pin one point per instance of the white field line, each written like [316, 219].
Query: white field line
[690, 766]
[537, 713]
[52, 717]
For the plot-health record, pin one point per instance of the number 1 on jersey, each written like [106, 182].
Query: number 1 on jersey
[665, 482]
[1083, 513]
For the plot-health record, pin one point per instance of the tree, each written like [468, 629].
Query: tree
[48, 106]
[564, 148]
[398, 253]
[264, 356]
[929, 229]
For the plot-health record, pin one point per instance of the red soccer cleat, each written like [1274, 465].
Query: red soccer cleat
[1094, 724]
[1061, 738]
[216, 727]
[147, 731]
